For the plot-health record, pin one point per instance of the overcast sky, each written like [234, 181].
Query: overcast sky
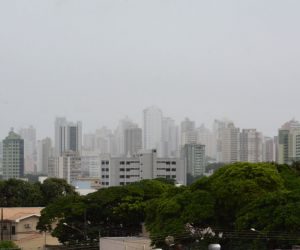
[100, 60]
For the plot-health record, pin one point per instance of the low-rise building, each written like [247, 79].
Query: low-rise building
[116, 171]
[19, 222]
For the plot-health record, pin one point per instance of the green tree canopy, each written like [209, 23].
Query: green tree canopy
[6, 244]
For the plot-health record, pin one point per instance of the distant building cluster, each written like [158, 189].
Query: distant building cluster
[158, 149]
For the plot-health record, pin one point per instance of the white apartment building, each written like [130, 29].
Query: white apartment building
[133, 141]
[116, 171]
[169, 146]
[218, 126]
[230, 143]
[44, 151]
[251, 146]
[188, 132]
[194, 159]
[268, 149]
[91, 164]
[67, 166]
[205, 137]
[29, 137]
[289, 142]
[68, 136]
[152, 128]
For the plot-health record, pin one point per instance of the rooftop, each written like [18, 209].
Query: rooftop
[18, 213]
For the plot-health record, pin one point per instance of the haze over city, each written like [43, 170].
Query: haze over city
[99, 61]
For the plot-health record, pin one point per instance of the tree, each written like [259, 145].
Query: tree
[212, 205]
[54, 188]
[6, 244]
[65, 213]
[176, 212]
[275, 217]
[19, 193]
[111, 211]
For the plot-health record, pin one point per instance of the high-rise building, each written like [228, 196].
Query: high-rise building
[194, 159]
[218, 126]
[30, 157]
[152, 128]
[90, 164]
[169, 143]
[188, 132]
[289, 142]
[103, 140]
[68, 136]
[132, 140]
[67, 166]
[44, 152]
[251, 147]
[89, 142]
[205, 137]
[268, 150]
[230, 143]
[13, 156]
[124, 124]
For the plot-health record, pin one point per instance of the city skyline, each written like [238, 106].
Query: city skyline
[101, 61]
[116, 124]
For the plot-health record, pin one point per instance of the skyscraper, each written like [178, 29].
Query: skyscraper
[169, 144]
[13, 156]
[68, 136]
[30, 157]
[67, 166]
[124, 124]
[194, 159]
[132, 140]
[205, 137]
[152, 124]
[188, 132]
[251, 147]
[218, 126]
[289, 142]
[268, 150]
[230, 143]
[44, 152]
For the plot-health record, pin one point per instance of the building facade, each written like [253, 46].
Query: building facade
[30, 154]
[251, 146]
[289, 142]
[67, 166]
[68, 136]
[44, 152]
[13, 156]
[194, 159]
[230, 143]
[188, 132]
[152, 128]
[116, 171]
[132, 140]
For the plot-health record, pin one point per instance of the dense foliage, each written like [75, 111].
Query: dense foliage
[6, 244]
[241, 206]
[114, 211]
[19, 193]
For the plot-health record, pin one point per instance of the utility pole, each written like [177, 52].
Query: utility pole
[85, 226]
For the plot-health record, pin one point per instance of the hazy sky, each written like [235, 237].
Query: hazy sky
[100, 60]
